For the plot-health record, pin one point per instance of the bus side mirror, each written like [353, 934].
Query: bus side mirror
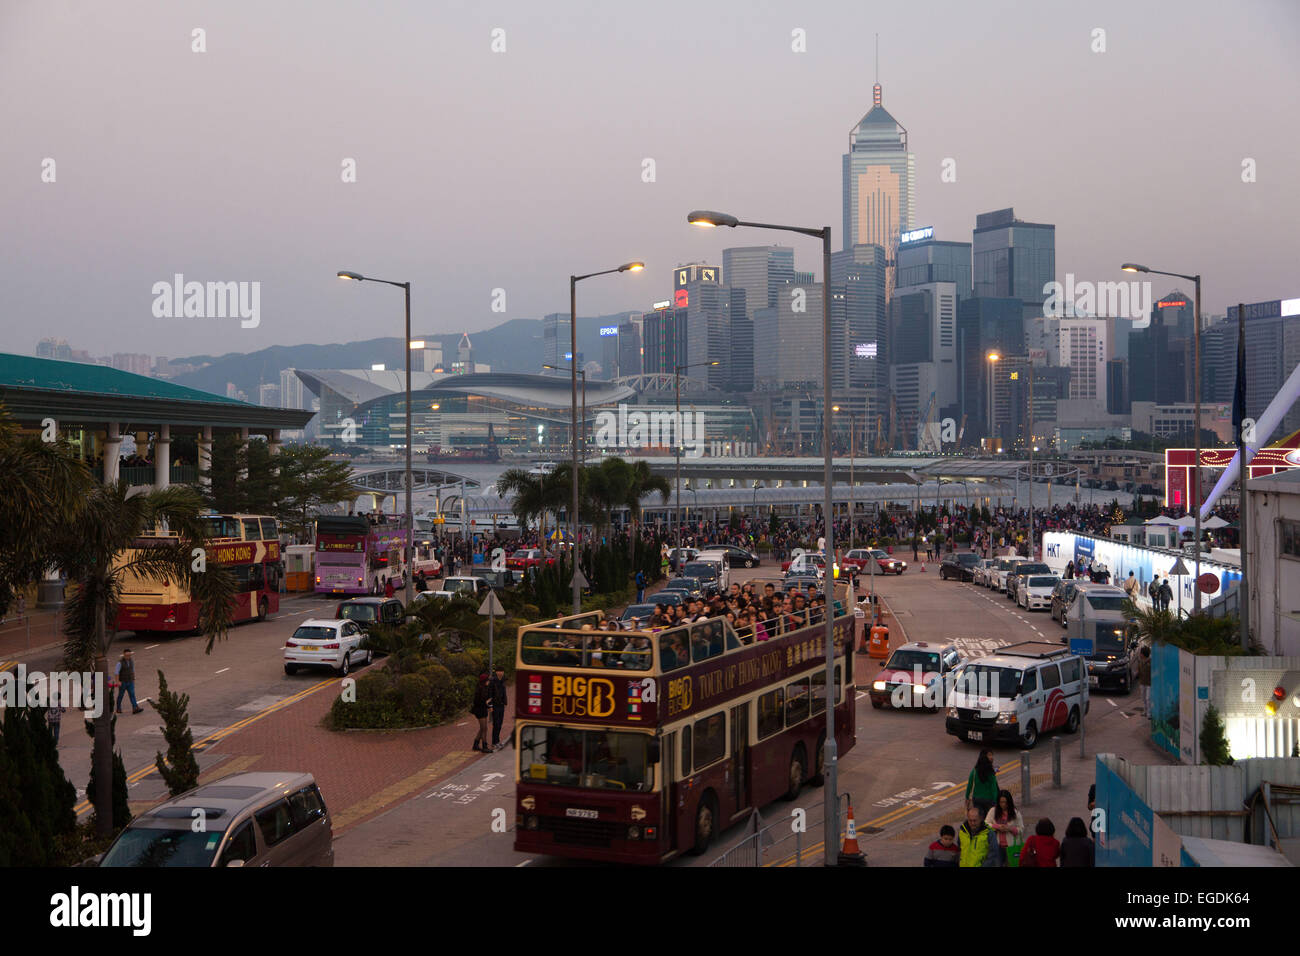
[653, 752]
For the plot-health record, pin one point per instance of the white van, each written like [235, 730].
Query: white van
[1019, 692]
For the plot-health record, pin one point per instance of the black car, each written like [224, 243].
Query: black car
[960, 566]
[367, 611]
[498, 580]
[737, 556]
[667, 597]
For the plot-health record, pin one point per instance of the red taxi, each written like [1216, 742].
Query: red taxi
[916, 675]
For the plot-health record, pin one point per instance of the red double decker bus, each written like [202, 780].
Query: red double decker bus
[246, 545]
[640, 752]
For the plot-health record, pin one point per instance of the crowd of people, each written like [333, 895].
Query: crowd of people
[995, 833]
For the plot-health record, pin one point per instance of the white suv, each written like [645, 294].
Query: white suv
[324, 643]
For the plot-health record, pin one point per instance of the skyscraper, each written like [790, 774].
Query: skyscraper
[1016, 259]
[923, 349]
[786, 355]
[698, 289]
[928, 259]
[664, 332]
[629, 346]
[984, 325]
[760, 271]
[556, 341]
[879, 183]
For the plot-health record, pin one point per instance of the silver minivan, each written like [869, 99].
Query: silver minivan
[247, 819]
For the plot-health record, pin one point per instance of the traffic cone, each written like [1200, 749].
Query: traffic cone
[850, 855]
[923, 566]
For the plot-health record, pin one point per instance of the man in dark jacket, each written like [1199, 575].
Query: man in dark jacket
[497, 697]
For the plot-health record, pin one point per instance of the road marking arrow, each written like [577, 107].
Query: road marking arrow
[492, 776]
[942, 784]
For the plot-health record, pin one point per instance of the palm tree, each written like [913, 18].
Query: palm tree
[534, 496]
[1153, 626]
[639, 482]
[42, 486]
[95, 550]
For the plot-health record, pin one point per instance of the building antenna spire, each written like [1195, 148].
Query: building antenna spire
[875, 90]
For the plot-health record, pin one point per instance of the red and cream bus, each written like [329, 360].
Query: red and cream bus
[640, 753]
[246, 545]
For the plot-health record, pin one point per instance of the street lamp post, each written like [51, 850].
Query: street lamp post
[993, 359]
[677, 444]
[1195, 500]
[410, 523]
[573, 427]
[853, 427]
[703, 217]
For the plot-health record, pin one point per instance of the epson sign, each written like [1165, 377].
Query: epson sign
[609, 330]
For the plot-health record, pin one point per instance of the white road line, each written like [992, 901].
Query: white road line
[525, 863]
[1109, 701]
[152, 646]
[861, 694]
[223, 670]
[1124, 715]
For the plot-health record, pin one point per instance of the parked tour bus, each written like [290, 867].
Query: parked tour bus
[247, 545]
[353, 553]
[635, 755]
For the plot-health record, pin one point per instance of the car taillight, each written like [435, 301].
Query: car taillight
[331, 647]
[358, 580]
[290, 644]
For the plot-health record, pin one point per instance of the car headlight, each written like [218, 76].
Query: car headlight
[918, 688]
[952, 711]
[1007, 717]
[878, 685]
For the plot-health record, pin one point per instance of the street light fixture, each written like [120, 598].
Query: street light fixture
[709, 217]
[410, 523]
[573, 426]
[1195, 497]
[677, 434]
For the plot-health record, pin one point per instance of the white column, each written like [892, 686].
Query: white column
[243, 437]
[112, 453]
[162, 457]
[205, 457]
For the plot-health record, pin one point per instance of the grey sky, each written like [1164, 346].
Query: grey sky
[479, 170]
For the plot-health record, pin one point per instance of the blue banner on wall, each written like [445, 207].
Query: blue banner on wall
[1165, 698]
[1127, 826]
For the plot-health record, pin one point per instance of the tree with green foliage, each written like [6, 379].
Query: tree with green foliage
[97, 553]
[533, 496]
[36, 799]
[42, 486]
[180, 771]
[309, 480]
[1214, 742]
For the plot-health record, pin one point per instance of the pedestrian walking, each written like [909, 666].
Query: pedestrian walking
[1153, 592]
[497, 699]
[973, 841]
[479, 710]
[640, 587]
[1069, 569]
[1132, 587]
[1077, 849]
[54, 715]
[125, 673]
[1144, 679]
[982, 784]
[389, 590]
[1166, 593]
[1007, 824]
[944, 851]
[1042, 848]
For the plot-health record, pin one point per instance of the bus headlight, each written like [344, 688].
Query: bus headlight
[531, 822]
[634, 832]
[952, 712]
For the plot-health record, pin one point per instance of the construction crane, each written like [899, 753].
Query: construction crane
[926, 439]
[893, 420]
[881, 448]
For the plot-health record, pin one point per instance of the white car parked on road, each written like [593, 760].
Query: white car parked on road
[1035, 591]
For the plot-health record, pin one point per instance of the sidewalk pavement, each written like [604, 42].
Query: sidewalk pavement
[360, 773]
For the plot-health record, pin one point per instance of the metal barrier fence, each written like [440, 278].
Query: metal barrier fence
[765, 848]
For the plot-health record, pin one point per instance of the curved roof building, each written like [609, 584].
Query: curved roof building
[367, 409]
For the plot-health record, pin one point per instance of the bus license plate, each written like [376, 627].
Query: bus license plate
[1092, 680]
[582, 814]
[975, 735]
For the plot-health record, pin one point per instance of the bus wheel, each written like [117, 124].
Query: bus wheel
[261, 610]
[705, 816]
[797, 761]
[819, 778]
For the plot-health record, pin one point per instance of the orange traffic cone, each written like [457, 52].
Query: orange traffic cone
[923, 567]
[850, 855]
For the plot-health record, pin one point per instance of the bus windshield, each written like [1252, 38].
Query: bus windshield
[1110, 638]
[592, 759]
